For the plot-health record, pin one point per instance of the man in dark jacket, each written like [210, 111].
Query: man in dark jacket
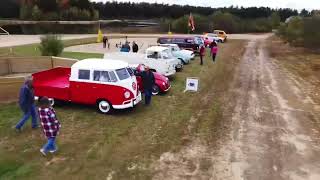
[104, 41]
[26, 103]
[135, 47]
[147, 82]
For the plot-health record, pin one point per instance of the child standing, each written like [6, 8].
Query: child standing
[214, 50]
[50, 125]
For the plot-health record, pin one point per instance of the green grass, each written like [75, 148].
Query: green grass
[92, 145]
[33, 50]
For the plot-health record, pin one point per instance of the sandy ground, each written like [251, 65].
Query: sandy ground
[143, 44]
[272, 135]
[15, 40]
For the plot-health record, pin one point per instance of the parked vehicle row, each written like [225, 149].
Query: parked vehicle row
[157, 58]
[191, 43]
[185, 56]
[113, 82]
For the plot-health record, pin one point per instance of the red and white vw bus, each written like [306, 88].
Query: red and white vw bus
[108, 84]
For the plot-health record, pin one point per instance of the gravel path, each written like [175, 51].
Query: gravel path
[273, 136]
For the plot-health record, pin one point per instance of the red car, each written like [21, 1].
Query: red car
[108, 84]
[162, 83]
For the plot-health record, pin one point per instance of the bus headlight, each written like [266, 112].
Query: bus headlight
[127, 94]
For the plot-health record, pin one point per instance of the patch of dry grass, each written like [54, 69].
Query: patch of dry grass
[303, 63]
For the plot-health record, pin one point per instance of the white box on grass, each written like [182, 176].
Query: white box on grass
[192, 84]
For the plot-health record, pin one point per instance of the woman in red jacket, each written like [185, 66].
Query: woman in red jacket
[202, 53]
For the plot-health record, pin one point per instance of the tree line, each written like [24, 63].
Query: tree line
[225, 21]
[302, 31]
[48, 10]
[84, 9]
[116, 9]
[231, 19]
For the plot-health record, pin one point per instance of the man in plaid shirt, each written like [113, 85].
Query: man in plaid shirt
[50, 125]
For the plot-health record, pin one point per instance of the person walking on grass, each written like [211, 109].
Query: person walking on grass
[50, 125]
[202, 53]
[148, 82]
[26, 103]
[213, 50]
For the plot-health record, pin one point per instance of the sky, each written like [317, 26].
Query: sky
[295, 4]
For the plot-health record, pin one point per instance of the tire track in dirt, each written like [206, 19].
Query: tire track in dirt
[272, 137]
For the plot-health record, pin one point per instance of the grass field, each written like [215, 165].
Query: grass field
[33, 50]
[122, 145]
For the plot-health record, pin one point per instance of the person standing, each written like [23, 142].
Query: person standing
[148, 82]
[135, 47]
[104, 41]
[50, 125]
[202, 53]
[26, 103]
[125, 47]
[214, 50]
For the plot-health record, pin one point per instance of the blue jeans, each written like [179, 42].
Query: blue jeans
[147, 95]
[30, 112]
[51, 145]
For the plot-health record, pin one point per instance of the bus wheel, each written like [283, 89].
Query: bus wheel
[104, 107]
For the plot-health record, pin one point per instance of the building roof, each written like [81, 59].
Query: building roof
[100, 64]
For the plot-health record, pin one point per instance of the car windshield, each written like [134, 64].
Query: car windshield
[175, 48]
[122, 73]
[212, 35]
[199, 40]
[166, 54]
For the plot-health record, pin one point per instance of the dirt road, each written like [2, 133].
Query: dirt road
[272, 135]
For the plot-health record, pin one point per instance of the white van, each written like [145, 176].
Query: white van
[156, 57]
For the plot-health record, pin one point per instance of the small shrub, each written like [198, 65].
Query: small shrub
[295, 31]
[311, 33]
[51, 45]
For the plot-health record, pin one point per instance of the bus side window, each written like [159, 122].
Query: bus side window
[84, 74]
[104, 76]
[113, 77]
[96, 75]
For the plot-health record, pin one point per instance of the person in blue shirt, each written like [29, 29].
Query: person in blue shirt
[26, 103]
[125, 47]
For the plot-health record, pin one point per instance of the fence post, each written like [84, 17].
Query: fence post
[9, 66]
[52, 65]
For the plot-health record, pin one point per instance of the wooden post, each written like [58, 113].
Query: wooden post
[52, 65]
[9, 66]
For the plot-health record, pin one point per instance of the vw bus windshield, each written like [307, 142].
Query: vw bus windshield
[131, 72]
[122, 74]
